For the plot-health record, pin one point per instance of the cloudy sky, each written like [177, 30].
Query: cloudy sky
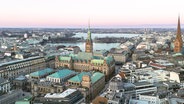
[102, 13]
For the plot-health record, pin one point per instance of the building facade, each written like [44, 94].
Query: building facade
[178, 43]
[120, 55]
[92, 82]
[4, 85]
[42, 88]
[20, 83]
[13, 69]
[153, 99]
[144, 88]
[87, 62]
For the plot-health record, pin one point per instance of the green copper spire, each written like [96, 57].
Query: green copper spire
[89, 42]
[89, 33]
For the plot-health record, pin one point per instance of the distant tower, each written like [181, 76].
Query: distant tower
[14, 47]
[89, 42]
[178, 43]
[25, 36]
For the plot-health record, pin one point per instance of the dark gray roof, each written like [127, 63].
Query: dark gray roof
[17, 61]
[128, 86]
[140, 84]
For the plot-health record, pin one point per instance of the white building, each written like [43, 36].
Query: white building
[153, 99]
[4, 85]
[127, 45]
[151, 76]
[144, 88]
[174, 77]
[69, 96]
[25, 36]
[143, 45]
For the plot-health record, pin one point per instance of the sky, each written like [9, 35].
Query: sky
[102, 13]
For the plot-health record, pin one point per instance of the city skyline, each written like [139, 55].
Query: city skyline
[102, 14]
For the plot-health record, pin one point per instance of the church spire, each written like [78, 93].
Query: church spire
[178, 43]
[88, 24]
[89, 42]
[89, 33]
[178, 27]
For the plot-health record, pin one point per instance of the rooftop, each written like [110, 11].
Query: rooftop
[97, 61]
[109, 59]
[62, 73]
[17, 61]
[41, 72]
[20, 78]
[85, 55]
[60, 95]
[157, 65]
[133, 101]
[78, 78]
[142, 84]
[177, 54]
[100, 52]
[64, 58]
[26, 100]
[96, 76]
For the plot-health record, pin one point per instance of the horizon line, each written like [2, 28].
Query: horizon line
[103, 26]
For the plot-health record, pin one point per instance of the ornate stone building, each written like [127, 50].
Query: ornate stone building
[89, 83]
[178, 43]
[13, 69]
[87, 61]
[42, 88]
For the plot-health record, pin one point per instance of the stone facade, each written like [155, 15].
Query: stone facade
[13, 69]
[4, 85]
[91, 83]
[105, 65]
[42, 88]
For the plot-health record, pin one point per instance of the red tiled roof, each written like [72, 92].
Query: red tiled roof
[122, 74]
[156, 65]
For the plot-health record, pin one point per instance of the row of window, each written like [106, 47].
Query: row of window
[64, 61]
[79, 66]
[5, 88]
[72, 83]
[44, 89]
[24, 64]
[53, 80]
[25, 70]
